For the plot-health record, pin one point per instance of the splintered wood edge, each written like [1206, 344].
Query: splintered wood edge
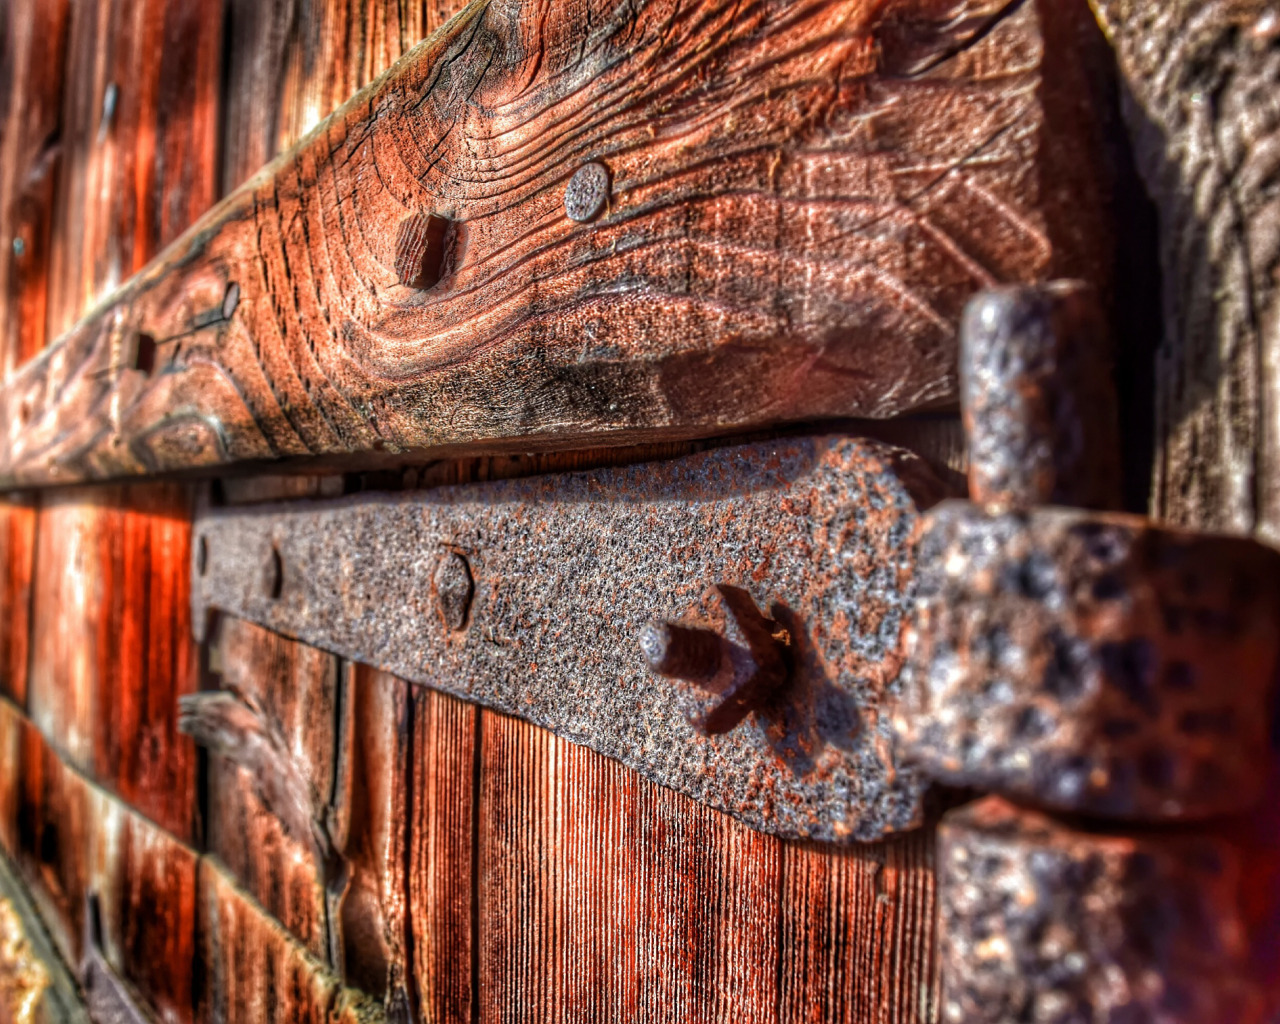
[752, 264]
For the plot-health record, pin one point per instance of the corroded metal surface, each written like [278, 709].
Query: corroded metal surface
[1039, 405]
[1040, 922]
[1092, 661]
[565, 573]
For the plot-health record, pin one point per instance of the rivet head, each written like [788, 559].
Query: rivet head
[230, 300]
[453, 586]
[587, 191]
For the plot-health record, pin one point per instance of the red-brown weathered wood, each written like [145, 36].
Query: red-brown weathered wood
[33, 35]
[442, 856]
[603, 897]
[138, 141]
[293, 62]
[406, 806]
[803, 195]
[294, 689]
[858, 933]
[112, 642]
[17, 549]
[70, 840]
[255, 973]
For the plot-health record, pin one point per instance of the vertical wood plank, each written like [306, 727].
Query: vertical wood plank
[112, 642]
[374, 808]
[294, 687]
[255, 973]
[604, 897]
[139, 136]
[33, 40]
[293, 62]
[441, 852]
[406, 801]
[145, 884]
[17, 552]
[858, 933]
[33, 34]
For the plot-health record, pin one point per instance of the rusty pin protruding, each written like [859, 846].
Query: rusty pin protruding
[698, 655]
[681, 652]
[587, 191]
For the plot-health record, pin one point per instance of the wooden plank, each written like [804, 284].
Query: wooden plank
[1202, 75]
[603, 897]
[791, 188]
[138, 136]
[112, 645]
[406, 916]
[71, 839]
[294, 688]
[255, 973]
[291, 63]
[858, 933]
[33, 35]
[144, 881]
[17, 551]
[441, 872]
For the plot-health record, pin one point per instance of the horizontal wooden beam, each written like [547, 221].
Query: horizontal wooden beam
[793, 200]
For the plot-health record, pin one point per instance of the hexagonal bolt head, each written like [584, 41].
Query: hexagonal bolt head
[453, 587]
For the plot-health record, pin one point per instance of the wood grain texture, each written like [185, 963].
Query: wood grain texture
[70, 839]
[1203, 78]
[803, 196]
[603, 897]
[33, 37]
[406, 805]
[138, 141]
[442, 856]
[112, 645]
[294, 688]
[858, 933]
[17, 552]
[294, 62]
[255, 973]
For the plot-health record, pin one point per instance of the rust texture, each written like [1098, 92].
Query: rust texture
[1042, 922]
[568, 570]
[1039, 405]
[1092, 661]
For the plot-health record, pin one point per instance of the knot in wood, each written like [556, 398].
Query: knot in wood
[420, 250]
[453, 588]
[587, 192]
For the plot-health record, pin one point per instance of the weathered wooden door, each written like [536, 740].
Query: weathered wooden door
[310, 333]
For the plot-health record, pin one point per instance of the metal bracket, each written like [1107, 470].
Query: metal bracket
[534, 596]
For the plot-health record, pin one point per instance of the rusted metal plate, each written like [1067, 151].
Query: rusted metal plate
[532, 596]
[1092, 662]
[1045, 922]
[1039, 405]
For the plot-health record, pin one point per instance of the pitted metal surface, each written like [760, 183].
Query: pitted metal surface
[1039, 405]
[1092, 662]
[1044, 922]
[533, 597]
